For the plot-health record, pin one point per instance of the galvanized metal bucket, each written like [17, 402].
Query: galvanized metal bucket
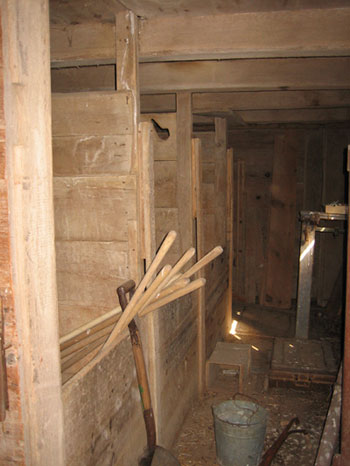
[240, 428]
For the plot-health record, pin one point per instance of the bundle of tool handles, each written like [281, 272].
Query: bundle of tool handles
[167, 286]
[154, 291]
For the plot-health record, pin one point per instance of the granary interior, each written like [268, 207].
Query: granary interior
[122, 121]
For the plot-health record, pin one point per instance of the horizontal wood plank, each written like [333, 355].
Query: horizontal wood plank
[255, 74]
[94, 208]
[264, 100]
[321, 32]
[89, 155]
[88, 274]
[82, 43]
[92, 114]
[300, 115]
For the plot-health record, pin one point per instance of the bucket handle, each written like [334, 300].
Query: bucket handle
[250, 398]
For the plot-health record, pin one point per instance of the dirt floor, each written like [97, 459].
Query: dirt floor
[196, 442]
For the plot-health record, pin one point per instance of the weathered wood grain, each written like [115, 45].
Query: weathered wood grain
[91, 155]
[279, 268]
[94, 208]
[322, 32]
[165, 183]
[39, 439]
[243, 75]
[92, 114]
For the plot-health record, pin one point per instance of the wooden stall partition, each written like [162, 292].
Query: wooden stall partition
[165, 178]
[95, 191]
[175, 351]
[213, 203]
[97, 198]
[329, 254]
[254, 155]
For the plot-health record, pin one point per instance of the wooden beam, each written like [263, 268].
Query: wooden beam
[184, 177]
[230, 75]
[292, 116]
[262, 100]
[29, 154]
[159, 103]
[321, 32]
[127, 59]
[229, 226]
[82, 44]
[226, 102]
[199, 241]
[305, 83]
[84, 78]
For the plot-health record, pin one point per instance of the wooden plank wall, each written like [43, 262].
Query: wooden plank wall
[95, 195]
[176, 339]
[98, 248]
[318, 177]
[213, 194]
[280, 262]
[329, 256]
[165, 181]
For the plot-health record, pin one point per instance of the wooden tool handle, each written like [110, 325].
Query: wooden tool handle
[173, 287]
[131, 309]
[140, 366]
[134, 306]
[91, 327]
[177, 294]
[203, 262]
[180, 264]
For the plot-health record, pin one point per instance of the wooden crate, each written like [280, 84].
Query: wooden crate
[228, 356]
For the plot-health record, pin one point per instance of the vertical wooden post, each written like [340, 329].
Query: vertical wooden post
[148, 250]
[128, 80]
[229, 230]
[142, 164]
[29, 157]
[345, 423]
[184, 177]
[199, 241]
[239, 268]
[127, 58]
[306, 261]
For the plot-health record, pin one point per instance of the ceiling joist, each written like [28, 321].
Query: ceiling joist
[211, 102]
[241, 75]
[301, 33]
